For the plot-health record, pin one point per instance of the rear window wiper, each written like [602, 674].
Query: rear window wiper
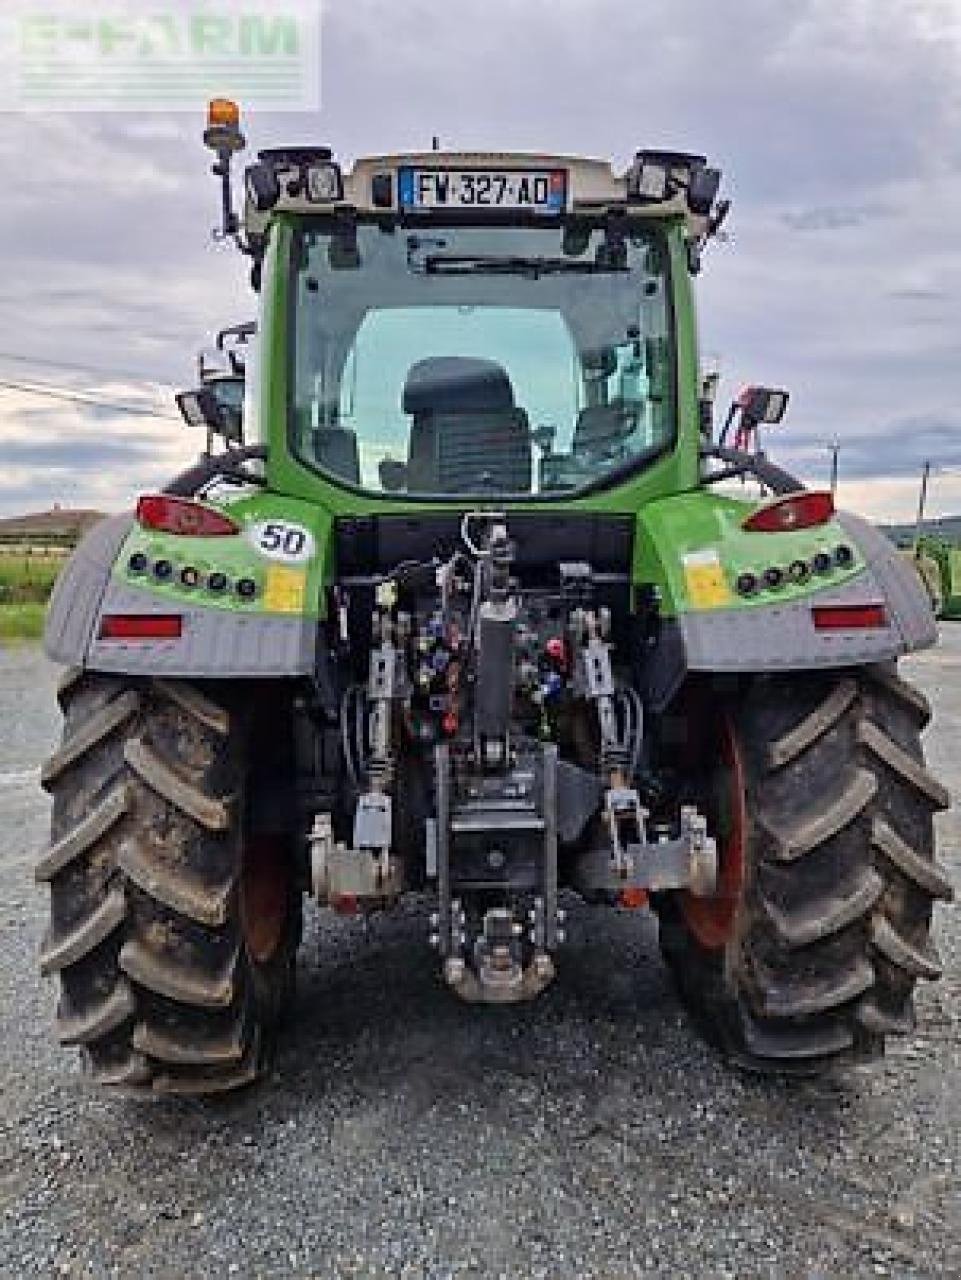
[479, 264]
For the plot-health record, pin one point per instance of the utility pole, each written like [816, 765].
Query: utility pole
[922, 503]
[835, 448]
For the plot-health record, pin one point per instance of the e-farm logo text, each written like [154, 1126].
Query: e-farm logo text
[122, 55]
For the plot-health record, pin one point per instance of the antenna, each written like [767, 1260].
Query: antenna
[435, 143]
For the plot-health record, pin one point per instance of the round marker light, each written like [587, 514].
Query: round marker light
[246, 588]
[747, 584]
[217, 582]
[799, 571]
[189, 576]
[162, 570]
[137, 563]
[823, 562]
[774, 577]
[844, 557]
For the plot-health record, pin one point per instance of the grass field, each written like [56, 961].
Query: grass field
[27, 576]
[21, 622]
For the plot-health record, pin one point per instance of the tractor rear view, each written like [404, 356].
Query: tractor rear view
[463, 609]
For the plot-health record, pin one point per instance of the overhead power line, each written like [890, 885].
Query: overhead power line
[17, 357]
[78, 397]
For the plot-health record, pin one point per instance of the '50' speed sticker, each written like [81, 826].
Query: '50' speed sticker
[280, 540]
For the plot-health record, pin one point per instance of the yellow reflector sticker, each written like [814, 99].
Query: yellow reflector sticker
[285, 590]
[706, 584]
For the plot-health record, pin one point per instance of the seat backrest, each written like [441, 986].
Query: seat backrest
[483, 453]
[601, 428]
[467, 436]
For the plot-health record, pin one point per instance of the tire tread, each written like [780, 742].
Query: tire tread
[833, 929]
[157, 988]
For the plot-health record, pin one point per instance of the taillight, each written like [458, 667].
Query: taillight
[796, 511]
[181, 515]
[849, 617]
[141, 626]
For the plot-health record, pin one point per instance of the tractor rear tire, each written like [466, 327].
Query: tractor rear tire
[811, 949]
[174, 927]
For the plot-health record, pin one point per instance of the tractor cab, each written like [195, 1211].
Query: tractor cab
[469, 326]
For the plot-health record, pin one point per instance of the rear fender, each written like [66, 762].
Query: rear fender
[223, 634]
[707, 627]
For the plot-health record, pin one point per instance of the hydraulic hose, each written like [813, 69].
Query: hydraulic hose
[777, 480]
[225, 466]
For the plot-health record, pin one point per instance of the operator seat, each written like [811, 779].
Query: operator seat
[602, 429]
[335, 449]
[467, 435]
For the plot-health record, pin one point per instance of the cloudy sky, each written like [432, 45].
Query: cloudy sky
[837, 123]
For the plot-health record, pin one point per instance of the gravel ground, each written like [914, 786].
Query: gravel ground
[590, 1134]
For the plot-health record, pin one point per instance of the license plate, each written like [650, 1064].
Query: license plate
[536, 190]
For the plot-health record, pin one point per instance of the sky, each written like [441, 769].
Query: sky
[837, 124]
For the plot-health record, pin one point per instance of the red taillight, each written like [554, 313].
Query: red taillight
[141, 626]
[849, 617]
[796, 511]
[181, 515]
[633, 899]
[345, 904]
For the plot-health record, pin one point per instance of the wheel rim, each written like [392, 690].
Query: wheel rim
[713, 920]
[264, 897]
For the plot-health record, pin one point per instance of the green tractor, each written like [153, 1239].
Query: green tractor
[936, 558]
[938, 561]
[464, 607]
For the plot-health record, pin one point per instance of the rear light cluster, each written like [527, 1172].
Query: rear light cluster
[804, 510]
[797, 572]
[215, 582]
[183, 516]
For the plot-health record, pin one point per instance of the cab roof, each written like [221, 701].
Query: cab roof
[372, 185]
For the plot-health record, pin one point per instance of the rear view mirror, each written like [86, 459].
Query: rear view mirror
[218, 406]
[763, 406]
[757, 407]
